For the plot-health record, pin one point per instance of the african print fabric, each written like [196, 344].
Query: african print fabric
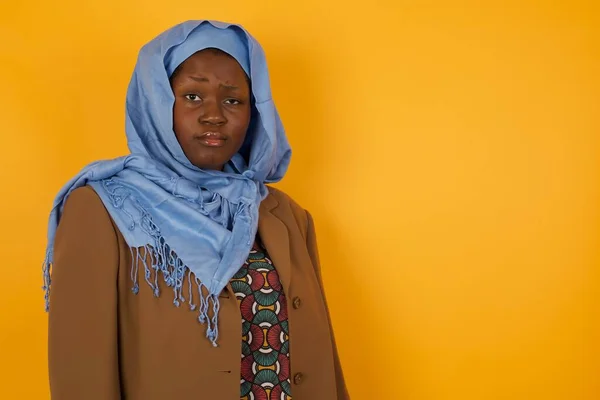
[265, 370]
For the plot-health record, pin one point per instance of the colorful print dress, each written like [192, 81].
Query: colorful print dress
[265, 372]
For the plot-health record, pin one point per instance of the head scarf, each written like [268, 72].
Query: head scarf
[195, 224]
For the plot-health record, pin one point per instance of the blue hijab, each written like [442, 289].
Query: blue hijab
[195, 225]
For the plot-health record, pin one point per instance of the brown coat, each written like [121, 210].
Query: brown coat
[105, 343]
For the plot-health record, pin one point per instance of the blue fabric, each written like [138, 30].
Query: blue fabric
[196, 222]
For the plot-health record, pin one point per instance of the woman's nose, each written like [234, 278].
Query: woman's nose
[212, 114]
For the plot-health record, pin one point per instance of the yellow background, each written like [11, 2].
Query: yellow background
[448, 150]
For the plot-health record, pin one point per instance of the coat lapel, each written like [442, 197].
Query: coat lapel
[274, 235]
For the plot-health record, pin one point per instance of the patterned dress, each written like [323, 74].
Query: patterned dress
[265, 341]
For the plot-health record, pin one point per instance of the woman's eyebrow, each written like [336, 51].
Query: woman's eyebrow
[222, 85]
[198, 78]
[228, 87]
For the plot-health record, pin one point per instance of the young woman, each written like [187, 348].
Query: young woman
[175, 272]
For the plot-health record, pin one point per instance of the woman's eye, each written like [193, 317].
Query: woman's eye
[233, 101]
[193, 97]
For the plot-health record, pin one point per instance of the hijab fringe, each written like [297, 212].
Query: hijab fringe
[157, 259]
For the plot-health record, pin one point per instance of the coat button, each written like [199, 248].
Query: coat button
[298, 378]
[296, 303]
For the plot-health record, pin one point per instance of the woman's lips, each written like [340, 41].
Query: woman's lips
[212, 139]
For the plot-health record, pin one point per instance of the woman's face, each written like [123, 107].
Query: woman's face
[212, 108]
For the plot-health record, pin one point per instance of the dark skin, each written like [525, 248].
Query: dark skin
[212, 108]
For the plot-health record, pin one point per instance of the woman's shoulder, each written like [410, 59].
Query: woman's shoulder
[84, 206]
[285, 203]
[83, 220]
[86, 198]
[283, 198]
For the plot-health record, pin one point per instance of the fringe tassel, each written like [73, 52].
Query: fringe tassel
[174, 271]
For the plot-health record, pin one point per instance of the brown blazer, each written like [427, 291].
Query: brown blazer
[105, 343]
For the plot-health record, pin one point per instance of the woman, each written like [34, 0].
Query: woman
[173, 263]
